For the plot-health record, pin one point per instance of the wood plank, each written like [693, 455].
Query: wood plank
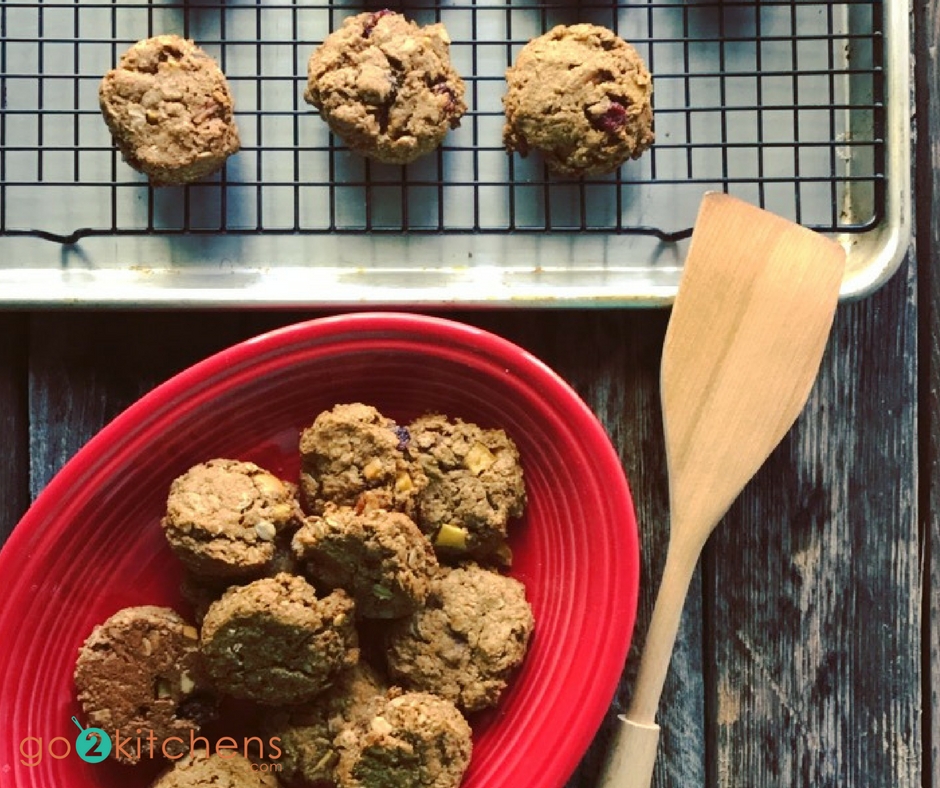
[86, 368]
[927, 184]
[612, 360]
[815, 638]
[14, 459]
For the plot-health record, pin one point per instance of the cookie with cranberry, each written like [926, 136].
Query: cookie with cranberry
[352, 455]
[386, 86]
[581, 96]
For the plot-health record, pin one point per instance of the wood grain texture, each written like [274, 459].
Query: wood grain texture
[748, 330]
[86, 368]
[927, 183]
[14, 457]
[816, 582]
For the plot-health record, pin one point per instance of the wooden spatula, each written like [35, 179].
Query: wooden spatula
[747, 332]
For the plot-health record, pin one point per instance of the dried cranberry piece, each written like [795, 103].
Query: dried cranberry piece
[374, 20]
[404, 437]
[613, 119]
[444, 89]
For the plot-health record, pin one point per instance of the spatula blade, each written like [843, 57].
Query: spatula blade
[743, 347]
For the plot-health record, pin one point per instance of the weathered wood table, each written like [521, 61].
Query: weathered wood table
[809, 650]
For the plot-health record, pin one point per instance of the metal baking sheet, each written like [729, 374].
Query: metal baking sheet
[801, 107]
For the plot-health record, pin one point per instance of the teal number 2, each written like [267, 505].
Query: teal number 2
[93, 745]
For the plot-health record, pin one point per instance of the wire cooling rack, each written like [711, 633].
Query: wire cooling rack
[780, 102]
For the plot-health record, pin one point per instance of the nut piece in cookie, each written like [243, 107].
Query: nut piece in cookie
[474, 485]
[306, 732]
[231, 770]
[273, 641]
[465, 643]
[414, 739]
[379, 557]
[223, 518]
[170, 111]
[580, 95]
[353, 456]
[386, 86]
[141, 669]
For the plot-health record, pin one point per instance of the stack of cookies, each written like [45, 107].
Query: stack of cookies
[359, 614]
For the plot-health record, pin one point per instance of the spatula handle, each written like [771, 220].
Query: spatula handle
[630, 760]
[632, 756]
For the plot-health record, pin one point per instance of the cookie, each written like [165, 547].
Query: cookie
[379, 557]
[273, 641]
[141, 670]
[386, 86]
[352, 455]
[581, 96]
[223, 518]
[474, 485]
[170, 111]
[465, 643]
[414, 739]
[220, 770]
[199, 591]
[306, 733]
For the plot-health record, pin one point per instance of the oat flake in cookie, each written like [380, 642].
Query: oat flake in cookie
[170, 111]
[386, 86]
[141, 669]
[273, 641]
[580, 95]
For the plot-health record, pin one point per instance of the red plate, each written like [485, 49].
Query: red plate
[91, 543]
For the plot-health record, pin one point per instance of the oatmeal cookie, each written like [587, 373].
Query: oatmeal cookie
[353, 456]
[386, 86]
[199, 591]
[170, 111]
[273, 641]
[379, 557]
[223, 518]
[580, 95]
[474, 485]
[141, 669]
[414, 739]
[465, 643]
[231, 770]
[306, 733]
